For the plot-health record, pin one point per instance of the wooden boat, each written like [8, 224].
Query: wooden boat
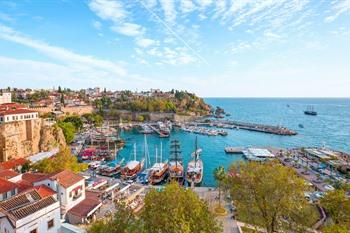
[176, 169]
[111, 169]
[159, 170]
[132, 168]
[194, 173]
[310, 111]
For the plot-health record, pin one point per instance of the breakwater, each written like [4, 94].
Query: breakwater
[278, 130]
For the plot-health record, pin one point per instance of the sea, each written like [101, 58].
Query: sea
[330, 128]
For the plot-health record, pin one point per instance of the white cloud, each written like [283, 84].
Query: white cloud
[272, 35]
[169, 10]
[144, 42]
[187, 6]
[97, 25]
[108, 10]
[63, 55]
[340, 7]
[205, 3]
[129, 29]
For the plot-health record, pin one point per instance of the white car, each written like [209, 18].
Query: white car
[329, 187]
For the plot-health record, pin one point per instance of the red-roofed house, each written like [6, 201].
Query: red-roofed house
[29, 212]
[10, 175]
[69, 186]
[7, 189]
[14, 164]
[85, 210]
[10, 112]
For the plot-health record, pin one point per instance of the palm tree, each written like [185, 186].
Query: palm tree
[219, 175]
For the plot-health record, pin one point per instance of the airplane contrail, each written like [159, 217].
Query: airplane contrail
[173, 32]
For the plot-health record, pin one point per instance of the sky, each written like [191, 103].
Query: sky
[215, 48]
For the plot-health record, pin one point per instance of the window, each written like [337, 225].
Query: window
[4, 195]
[34, 231]
[13, 192]
[50, 224]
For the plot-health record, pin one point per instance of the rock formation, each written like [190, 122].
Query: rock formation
[24, 138]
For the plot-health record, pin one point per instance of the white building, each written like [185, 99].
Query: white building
[30, 212]
[5, 98]
[10, 112]
[8, 186]
[70, 189]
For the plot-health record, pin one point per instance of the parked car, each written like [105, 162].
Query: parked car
[329, 187]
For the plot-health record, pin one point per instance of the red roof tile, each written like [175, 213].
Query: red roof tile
[11, 164]
[23, 186]
[15, 111]
[44, 191]
[90, 203]
[6, 186]
[66, 178]
[8, 174]
[34, 177]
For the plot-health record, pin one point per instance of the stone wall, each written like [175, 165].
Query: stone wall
[78, 110]
[19, 139]
[24, 138]
[67, 110]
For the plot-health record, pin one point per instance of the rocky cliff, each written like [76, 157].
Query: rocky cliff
[25, 138]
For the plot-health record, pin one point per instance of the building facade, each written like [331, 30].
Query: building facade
[29, 212]
[5, 98]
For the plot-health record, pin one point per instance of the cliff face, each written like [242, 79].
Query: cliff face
[25, 138]
[51, 137]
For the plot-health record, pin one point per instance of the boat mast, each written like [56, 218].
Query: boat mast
[146, 154]
[161, 152]
[196, 153]
[135, 151]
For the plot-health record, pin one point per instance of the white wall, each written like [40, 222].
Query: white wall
[38, 220]
[5, 98]
[19, 117]
[9, 194]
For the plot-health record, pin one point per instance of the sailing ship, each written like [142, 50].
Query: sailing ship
[132, 168]
[143, 176]
[194, 174]
[310, 111]
[176, 169]
[159, 170]
[112, 169]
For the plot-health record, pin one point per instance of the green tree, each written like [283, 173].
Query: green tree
[172, 210]
[62, 99]
[68, 130]
[271, 196]
[177, 210]
[123, 221]
[64, 160]
[337, 205]
[140, 118]
[75, 120]
[219, 175]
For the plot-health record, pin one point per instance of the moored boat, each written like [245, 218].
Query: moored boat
[194, 173]
[132, 168]
[176, 169]
[159, 170]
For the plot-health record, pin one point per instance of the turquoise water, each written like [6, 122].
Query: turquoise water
[331, 128]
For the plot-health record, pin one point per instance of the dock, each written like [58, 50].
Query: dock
[277, 130]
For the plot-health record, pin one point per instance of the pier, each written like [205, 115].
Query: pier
[278, 130]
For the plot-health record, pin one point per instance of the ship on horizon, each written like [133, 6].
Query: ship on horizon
[310, 111]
